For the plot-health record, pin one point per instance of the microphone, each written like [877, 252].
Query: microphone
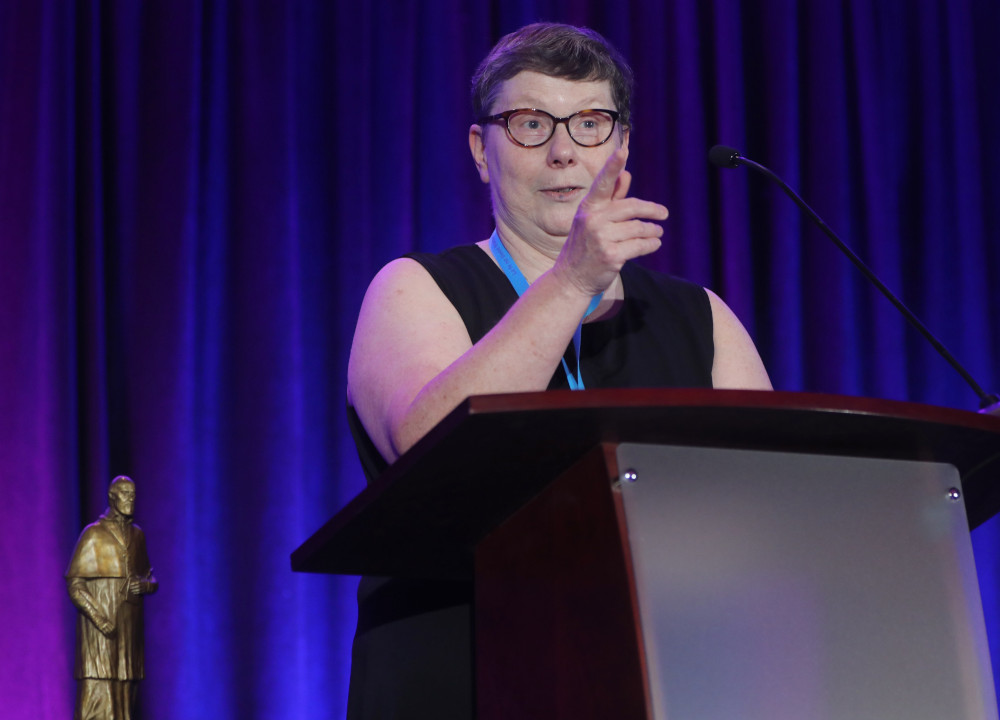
[723, 156]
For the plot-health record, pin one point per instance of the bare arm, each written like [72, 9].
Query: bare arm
[412, 360]
[737, 364]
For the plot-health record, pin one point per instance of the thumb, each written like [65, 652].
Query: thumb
[603, 187]
[622, 186]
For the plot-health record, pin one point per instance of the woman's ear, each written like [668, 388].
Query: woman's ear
[477, 146]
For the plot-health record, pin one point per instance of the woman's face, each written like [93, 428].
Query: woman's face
[536, 191]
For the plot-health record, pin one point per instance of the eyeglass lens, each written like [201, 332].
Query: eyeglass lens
[589, 127]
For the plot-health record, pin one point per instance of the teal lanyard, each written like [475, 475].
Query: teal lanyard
[520, 283]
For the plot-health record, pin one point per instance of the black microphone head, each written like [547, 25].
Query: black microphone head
[724, 157]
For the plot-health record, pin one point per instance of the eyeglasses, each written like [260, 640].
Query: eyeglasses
[529, 127]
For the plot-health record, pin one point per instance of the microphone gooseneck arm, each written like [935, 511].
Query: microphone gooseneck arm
[726, 157]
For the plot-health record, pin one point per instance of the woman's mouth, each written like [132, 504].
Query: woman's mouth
[563, 193]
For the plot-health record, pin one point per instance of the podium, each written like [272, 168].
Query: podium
[689, 554]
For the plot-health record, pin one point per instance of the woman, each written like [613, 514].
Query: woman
[547, 302]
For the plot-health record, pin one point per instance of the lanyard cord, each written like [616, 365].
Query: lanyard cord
[520, 283]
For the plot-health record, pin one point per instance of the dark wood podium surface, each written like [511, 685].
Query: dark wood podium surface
[427, 512]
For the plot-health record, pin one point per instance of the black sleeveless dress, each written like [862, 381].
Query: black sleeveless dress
[413, 654]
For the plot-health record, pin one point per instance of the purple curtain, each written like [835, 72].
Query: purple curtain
[194, 195]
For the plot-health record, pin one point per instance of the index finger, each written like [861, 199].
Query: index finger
[603, 187]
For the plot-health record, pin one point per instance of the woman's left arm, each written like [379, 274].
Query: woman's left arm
[737, 364]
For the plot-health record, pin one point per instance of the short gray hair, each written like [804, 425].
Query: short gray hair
[556, 50]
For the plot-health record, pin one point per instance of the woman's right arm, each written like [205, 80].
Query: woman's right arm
[412, 360]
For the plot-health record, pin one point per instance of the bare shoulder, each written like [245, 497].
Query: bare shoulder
[400, 287]
[737, 363]
[407, 333]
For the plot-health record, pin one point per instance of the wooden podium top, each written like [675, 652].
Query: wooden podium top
[425, 514]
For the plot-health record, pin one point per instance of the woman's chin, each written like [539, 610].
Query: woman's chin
[559, 227]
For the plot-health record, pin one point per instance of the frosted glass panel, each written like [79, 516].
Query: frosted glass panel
[780, 585]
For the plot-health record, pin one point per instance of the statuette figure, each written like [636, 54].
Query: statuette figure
[107, 579]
